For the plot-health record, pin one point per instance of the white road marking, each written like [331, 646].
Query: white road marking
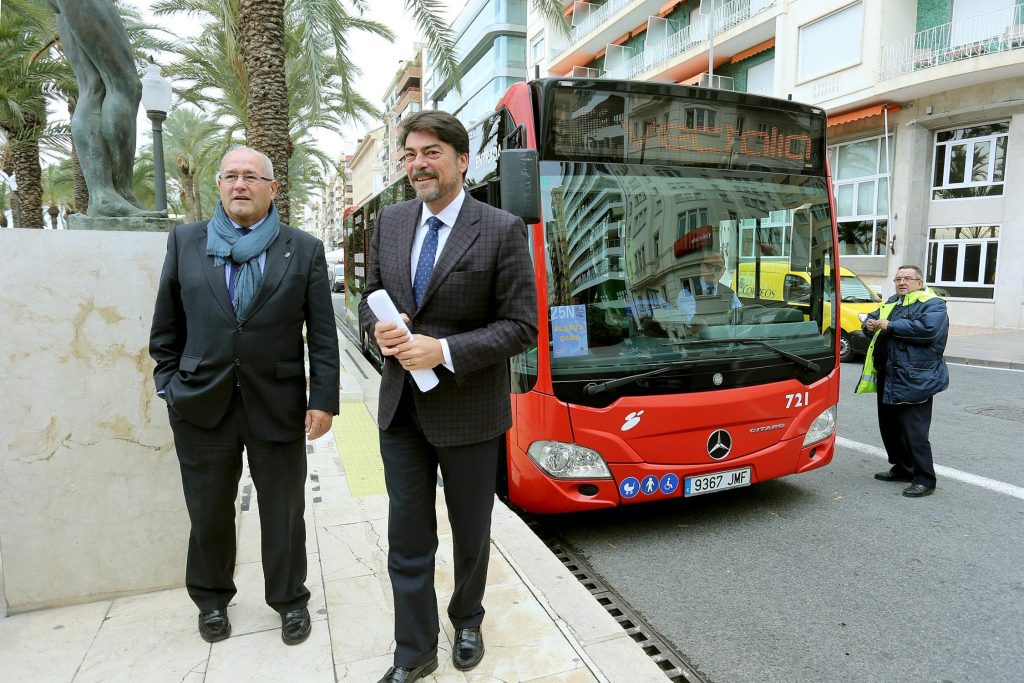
[941, 470]
[984, 367]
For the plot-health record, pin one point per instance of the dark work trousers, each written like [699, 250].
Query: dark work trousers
[904, 428]
[410, 472]
[211, 465]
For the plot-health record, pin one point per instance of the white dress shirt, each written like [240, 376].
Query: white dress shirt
[448, 215]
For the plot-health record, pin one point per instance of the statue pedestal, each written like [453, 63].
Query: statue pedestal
[80, 221]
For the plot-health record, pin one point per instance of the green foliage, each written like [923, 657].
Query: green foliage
[319, 73]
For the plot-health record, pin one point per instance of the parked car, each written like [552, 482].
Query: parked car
[780, 283]
[338, 278]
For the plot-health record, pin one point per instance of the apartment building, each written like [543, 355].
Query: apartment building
[490, 45]
[368, 166]
[926, 109]
[404, 96]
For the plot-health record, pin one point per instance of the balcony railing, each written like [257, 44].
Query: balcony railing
[689, 37]
[597, 18]
[988, 33]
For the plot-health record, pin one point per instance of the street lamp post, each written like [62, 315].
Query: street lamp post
[156, 98]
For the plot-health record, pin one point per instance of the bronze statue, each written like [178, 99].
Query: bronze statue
[95, 42]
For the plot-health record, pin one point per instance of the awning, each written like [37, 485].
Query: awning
[866, 112]
[757, 49]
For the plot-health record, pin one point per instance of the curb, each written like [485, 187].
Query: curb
[977, 362]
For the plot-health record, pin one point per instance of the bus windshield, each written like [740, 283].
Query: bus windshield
[679, 267]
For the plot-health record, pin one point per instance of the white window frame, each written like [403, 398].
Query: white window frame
[772, 230]
[537, 48]
[961, 257]
[970, 143]
[861, 181]
[853, 34]
[767, 65]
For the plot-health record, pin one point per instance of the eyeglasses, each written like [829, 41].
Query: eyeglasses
[712, 266]
[232, 178]
[898, 280]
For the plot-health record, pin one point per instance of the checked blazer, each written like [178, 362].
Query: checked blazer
[481, 298]
[203, 352]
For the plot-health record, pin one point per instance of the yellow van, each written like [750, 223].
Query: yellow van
[779, 283]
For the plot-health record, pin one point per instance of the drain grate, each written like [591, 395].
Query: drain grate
[671, 662]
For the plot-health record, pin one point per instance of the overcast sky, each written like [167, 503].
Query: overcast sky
[377, 58]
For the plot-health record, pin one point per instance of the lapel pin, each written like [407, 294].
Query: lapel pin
[287, 254]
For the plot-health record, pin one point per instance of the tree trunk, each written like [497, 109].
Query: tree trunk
[189, 194]
[189, 198]
[54, 212]
[8, 167]
[30, 178]
[77, 177]
[262, 31]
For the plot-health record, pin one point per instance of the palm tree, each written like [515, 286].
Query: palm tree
[58, 189]
[195, 141]
[239, 77]
[25, 76]
[4, 206]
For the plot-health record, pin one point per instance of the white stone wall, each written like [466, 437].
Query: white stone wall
[90, 494]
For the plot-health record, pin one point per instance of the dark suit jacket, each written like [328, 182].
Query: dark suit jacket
[201, 350]
[481, 298]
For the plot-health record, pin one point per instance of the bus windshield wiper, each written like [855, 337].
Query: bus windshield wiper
[799, 360]
[594, 388]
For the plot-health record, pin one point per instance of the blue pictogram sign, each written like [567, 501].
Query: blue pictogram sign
[669, 483]
[649, 485]
[629, 487]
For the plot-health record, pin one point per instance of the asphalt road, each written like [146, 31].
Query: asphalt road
[832, 575]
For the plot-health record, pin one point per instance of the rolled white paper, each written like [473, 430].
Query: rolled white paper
[382, 306]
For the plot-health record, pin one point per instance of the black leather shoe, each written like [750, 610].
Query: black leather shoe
[918, 490]
[469, 648]
[295, 626]
[399, 674]
[889, 476]
[214, 625]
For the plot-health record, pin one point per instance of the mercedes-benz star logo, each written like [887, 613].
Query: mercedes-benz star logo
[719, 444]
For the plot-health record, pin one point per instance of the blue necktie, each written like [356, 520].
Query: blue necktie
[233, 268]
[425, 264]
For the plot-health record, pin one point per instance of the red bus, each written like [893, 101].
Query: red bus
[644, 385]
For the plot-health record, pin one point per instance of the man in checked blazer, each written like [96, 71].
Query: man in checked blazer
[227, 338]
[460, 273]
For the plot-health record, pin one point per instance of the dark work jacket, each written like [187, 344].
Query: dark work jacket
[915, 341]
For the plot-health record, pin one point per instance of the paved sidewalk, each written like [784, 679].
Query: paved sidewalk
[542, 625]
[996, 347]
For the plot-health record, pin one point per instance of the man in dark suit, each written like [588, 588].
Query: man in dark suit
[460, 271]
[227, 338]
[706, 296]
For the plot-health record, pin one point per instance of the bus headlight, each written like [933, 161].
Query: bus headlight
[568, 461]
[823, 426]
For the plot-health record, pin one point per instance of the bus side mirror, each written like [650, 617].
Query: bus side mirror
[519, 171]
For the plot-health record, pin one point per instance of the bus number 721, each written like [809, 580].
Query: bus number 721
[799, 400]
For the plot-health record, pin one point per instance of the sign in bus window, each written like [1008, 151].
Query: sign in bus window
[642, 128]
[568, 331]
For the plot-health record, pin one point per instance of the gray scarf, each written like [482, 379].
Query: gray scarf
[224, 243]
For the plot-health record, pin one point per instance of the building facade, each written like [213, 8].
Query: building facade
[367, 166]
[404, 96]
[926, 107]
[490, 45]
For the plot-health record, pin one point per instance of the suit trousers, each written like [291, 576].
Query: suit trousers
[410, 471]
[904, 428]
[211, 466]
